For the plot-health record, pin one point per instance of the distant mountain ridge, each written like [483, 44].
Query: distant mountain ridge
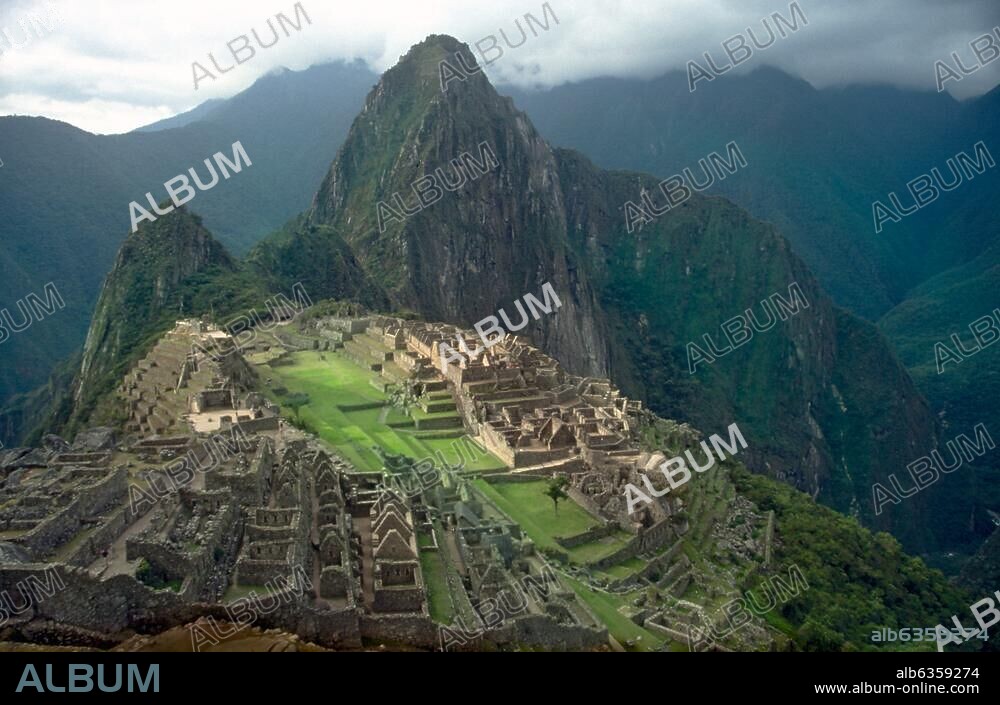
[65, 192]
[298, 120]
[819, 159]
[202, 111]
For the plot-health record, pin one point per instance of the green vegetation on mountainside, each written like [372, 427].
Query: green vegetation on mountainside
[842, 394]
[859, 581]
[965, 393]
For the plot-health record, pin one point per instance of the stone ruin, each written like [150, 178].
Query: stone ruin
[526, 410]
[190, 371]
[397, 581]
[279, 505]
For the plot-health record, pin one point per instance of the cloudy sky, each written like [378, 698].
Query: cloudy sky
[113, 65]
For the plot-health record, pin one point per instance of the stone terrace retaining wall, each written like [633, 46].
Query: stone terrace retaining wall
[649, 540]
[595, 534]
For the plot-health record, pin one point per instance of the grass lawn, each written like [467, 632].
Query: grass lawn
[606, 608]
[596, 550]
[339, 382]
[437, 587]
[424, 541]
[624, 569]
[526, 503]
[237, 592]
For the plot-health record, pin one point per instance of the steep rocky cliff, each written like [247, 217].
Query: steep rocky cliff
[500, 234]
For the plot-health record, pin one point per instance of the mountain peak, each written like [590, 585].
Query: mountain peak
[426, 64]
[179, 237]
[145, 286]
[444, 41]
[411, 124]
[435, 48]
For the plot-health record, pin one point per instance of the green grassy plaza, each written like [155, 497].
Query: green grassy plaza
[335, 383]
[527, 504]
[606, 607]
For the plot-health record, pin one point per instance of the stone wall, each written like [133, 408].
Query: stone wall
[171, 563]
[333, 581]
[502, 478]
[656, 568]
[595, 534]
[648, 540]
[248, 487]
[110, 606]
[542, 631]
[532, 456]
[354, 326]
[296, 341]
[192, 566]
[397, 598]
[100, 459]
[251, 426]
[584, 500]
[89, 603]
[89, 502]
[530, 630]
[413, 630]
[90, 548]
[665, 631]
[211, 399]
[496, 444]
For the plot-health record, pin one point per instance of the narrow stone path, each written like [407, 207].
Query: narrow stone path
[115, 563]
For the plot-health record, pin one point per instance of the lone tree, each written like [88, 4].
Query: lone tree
[403, 396]
[296, 402]
[555, 491]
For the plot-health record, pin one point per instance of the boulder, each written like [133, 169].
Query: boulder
[94, 440]
[23, 458]
[55, 443]
[10, 456]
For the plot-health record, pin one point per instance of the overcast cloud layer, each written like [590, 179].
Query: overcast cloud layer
[114, 65]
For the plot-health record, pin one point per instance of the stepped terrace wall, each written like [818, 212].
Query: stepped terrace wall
[413, 630]
[594, 534]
